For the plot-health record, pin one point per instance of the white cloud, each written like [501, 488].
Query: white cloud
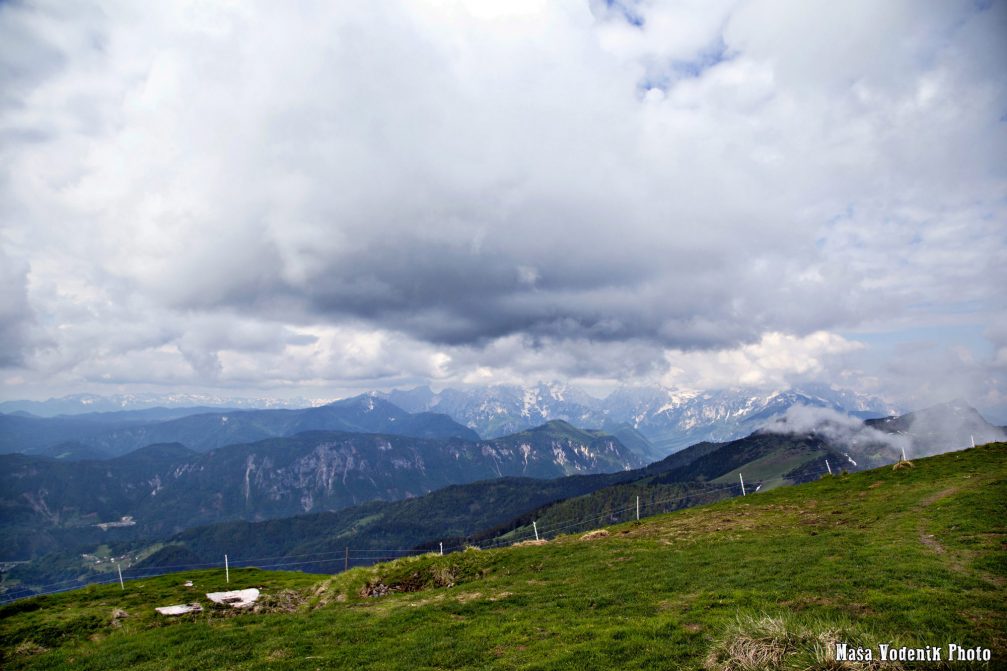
[777, 360]
[436, 190]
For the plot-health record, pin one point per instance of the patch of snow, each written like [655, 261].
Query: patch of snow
[529, 402]
[239, 598]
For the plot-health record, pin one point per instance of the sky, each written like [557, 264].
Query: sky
[320, 198]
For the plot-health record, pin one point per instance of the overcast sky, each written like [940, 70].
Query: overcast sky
[270, 198]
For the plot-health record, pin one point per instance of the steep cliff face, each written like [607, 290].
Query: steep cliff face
[317, 471]
[310, 472]
[558, 448]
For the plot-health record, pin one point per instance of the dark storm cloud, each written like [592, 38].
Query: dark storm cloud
[442, 294]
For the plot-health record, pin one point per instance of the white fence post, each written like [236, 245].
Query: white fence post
[742, 485]
[534, 526]
[227, 570]
[119, 567]
[638, 509]
[828, 467]
[442, 548]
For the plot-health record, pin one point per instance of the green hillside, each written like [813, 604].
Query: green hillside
[913, 555]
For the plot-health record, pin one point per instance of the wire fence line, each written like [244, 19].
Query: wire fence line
[135, 572]
[367, 556]
[554, 531]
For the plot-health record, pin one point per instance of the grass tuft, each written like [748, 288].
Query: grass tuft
[524, 544]
[415, 574]
[592, 535]
[284, 601]
[789, 642]
[28, 648]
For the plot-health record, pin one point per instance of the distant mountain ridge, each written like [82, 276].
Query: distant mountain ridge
[669, 419]
[652, 421]
[77, 404]
[206, 431]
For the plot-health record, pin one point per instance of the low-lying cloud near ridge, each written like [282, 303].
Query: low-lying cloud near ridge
[933, 431]
[936, 433]
[261, 196]
[840, 430]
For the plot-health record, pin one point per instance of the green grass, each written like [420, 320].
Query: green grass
[914, 556]
[769, 469]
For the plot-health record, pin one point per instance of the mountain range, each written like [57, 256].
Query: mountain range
[669, 419]
[503, 509]
[245, 483]
[167, 487]
[376, 475]
[651, 421]
[77, 404]
[98, 435]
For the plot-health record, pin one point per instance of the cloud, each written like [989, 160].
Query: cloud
[924, 373]
[955, 429]
[598, 190]
[777, 360]
[840, 431]
[16, 318]
[944, 428]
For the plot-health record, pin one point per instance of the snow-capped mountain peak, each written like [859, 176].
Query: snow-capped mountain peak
[669, 418]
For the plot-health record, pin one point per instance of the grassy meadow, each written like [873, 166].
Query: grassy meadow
[912, 555]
